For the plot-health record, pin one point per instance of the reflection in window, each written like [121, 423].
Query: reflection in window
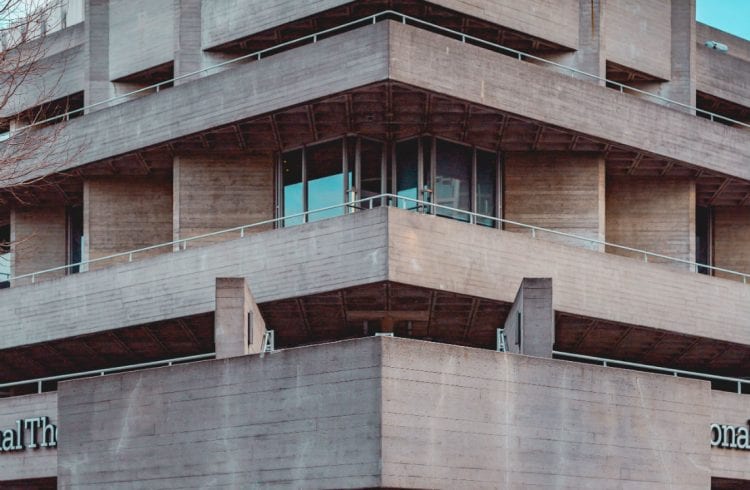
[4, 256]
[486, 186]
[453, 178]
[407, 161]
[434, 170]
[371, 170]
[75, 237]
[325, 181]
[291, 175]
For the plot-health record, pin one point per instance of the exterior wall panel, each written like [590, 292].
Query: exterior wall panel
[730, 409]
[228, 20]
[38, 237]
[466, 418]
[141, 35]
[562, 192]
[218, 192]
[731, 235]
[299, 418]
[724, 76]
[28, 463]
[652, 214]
[637, 34]
[124, 214]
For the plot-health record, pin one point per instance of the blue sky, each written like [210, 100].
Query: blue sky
[732, 16]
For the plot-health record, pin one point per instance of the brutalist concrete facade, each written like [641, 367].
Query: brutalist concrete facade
[379, 244]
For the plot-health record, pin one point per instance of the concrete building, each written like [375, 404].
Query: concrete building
[379, 243]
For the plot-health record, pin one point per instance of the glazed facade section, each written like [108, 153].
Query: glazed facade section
[574, 175]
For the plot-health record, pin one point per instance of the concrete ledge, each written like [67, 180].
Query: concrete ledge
[384, 244]
[406, 54]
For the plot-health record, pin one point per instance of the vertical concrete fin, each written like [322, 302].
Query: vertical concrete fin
[238, 324]
[530, 326]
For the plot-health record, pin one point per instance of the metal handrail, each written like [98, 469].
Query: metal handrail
[101, 372]
[424, 206]
[374, 18]
[674, 372]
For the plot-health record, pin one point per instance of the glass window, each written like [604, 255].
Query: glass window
[453, 178]
[291, 176]
[371, 168]
[325, 179]
[4, 256]
[486, 186]
[75, 237]
[407, 159]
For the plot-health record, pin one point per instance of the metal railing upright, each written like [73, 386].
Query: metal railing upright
[39, 382]
[739, 382]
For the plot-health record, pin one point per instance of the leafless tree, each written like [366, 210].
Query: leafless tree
[28, 111]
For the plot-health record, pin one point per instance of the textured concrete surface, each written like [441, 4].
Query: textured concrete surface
[556, 190]
[238, 324]
[29, 463]
[299, 418]
[530, 326]
[379, 245]
[385, 412]
[653, 214]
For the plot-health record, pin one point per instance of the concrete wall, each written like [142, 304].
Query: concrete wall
[738, 47]
[637, 34]
[140, 35]
[214, 192]
[126, 213]
[731, 409]
[465, 418]
[299, 418]
[29, 463]
[39, 241]
[228, 20]
[385, 412]
[58, 72]
[731, 234]
[723, 75]
[559, 191]
[652, 214]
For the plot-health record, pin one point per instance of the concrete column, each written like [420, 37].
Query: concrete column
[38, 238]
[238, 324]
[589, 57]
[562, 191]
[681, 86]
[97, 82]
[655, 214]
[188, 56]
[530, 326]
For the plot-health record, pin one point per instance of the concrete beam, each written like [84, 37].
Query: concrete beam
[530, 326]
[238, 324]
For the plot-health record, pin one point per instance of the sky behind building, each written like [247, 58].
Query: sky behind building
[732, 16]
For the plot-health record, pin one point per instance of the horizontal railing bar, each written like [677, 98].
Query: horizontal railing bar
[385, 14]
[615, 362]
[387, 196]
[101, 372]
